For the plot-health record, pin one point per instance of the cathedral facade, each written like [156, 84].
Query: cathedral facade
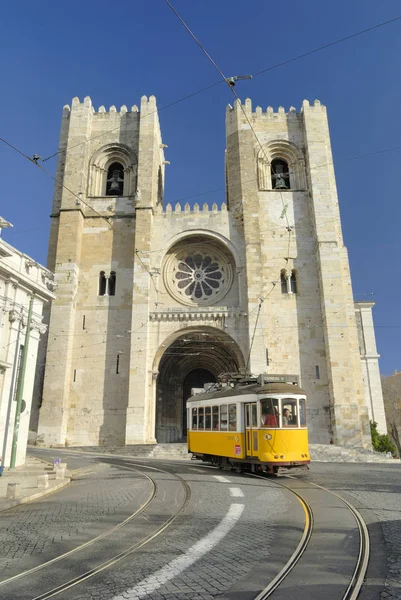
[155, 300]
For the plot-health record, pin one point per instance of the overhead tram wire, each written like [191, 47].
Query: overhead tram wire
[320, 165]
[256, 74]
[246, 116]
[283, 63]
[289, 228]
[158, 110]
[34, 161]
[230, 86]
[328, 45]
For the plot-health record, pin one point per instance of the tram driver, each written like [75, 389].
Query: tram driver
[287, 417]
[269, 417]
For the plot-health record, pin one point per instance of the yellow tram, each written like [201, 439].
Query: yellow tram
[256, 424]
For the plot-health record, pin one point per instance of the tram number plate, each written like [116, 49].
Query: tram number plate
[237, 449]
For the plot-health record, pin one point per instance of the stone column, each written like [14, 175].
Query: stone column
[245, 217]
[140, 426]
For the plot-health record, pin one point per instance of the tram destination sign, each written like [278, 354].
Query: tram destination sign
[264, 378]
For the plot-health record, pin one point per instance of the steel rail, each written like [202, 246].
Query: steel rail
[102, 536]
[361, 564]
[362, 561]
[299, 550]
[121, 555]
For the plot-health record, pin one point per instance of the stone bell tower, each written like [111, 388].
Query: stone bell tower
[111, 166]
[283, 200]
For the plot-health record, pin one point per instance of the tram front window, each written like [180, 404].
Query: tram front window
[289, 412]
[269, 412]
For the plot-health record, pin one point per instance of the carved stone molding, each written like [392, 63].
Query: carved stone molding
[195, 315]
[38, 326]
[14, 315]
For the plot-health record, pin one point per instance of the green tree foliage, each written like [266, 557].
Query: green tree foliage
[381, 442]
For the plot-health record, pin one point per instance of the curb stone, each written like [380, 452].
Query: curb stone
[11, 503]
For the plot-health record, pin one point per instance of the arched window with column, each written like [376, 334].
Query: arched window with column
[113, 172]
[115, 180]
[112, 283]
[293, 282]
[281, 166]
[283, 281]
[280, 174]
[102, 283]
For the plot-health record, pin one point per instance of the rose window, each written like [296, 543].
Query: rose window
[198, 276]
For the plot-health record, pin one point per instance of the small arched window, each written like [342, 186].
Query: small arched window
[112, 283]
[115, 180]
[160, 191]
[102, 283]
[283, 281]
[280, 174]
[293, 282]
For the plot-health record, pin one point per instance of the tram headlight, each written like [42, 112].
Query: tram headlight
[267, 436]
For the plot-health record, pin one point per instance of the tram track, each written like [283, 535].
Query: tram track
[362, 560]
[113, 560]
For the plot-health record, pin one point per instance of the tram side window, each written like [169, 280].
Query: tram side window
[302, 413]
[289, 412]
[208, 417]
[269, 412]
[215, 417]
[201, 418]
[232, 417]
[223, 417]
[194, 418]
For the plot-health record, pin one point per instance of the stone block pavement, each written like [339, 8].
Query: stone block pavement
[98, 496]
[27, 478]
[376, 491]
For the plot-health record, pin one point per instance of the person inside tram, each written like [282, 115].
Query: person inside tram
[287, 418]
[269, 419]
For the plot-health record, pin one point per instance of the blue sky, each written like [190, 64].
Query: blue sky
[116, 53]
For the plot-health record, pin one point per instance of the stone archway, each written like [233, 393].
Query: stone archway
[193, 358]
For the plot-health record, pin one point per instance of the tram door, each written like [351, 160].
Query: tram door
[251, 429]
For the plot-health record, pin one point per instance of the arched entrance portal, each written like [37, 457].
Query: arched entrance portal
[194, 358]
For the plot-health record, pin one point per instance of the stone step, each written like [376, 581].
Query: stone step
[331, 453]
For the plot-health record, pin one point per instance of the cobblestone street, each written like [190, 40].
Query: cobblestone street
[377, 488]
[204, 553]
[35, 532]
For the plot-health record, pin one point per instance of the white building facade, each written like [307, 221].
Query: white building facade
[155, 300]
[20, 278]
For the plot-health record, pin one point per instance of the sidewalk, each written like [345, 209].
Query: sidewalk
[27, 478]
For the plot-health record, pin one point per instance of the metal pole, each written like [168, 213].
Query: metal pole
[11, 394]
[20, 386]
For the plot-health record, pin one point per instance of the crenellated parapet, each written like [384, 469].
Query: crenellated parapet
[76, 104]
[270, 113]
[187, 209]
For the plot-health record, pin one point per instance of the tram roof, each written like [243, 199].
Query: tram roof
[241, 390]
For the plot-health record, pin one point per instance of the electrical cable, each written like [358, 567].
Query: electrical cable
[256, 74]
[158, 110]
[328, 45]
[54, 178]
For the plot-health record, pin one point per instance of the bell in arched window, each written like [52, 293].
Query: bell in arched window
[115, 180]
[280, 174]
